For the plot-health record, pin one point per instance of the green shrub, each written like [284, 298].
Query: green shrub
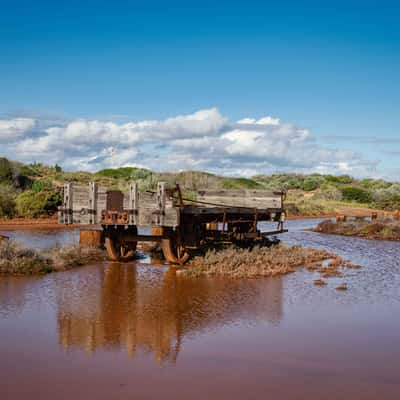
[339, 180]
[25, 170]
[374, 184]
[33, 204]
[240, 183]
[281, 181]
[292, 184]
[353, 193]
[329, 194]
[39, 186]
[390, 203]
[124, 173]
[312, 183]
[311, 207]
[6, 172]
[7, 203]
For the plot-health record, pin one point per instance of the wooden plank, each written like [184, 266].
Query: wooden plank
[267, 202]
[80, 197]
[193, 210]
[161, 197]
[101, 202]
[67, 203]
[92, 206]
[133, 202]
[238, 192]
[241, 198]
[150, 217]
[80, 204]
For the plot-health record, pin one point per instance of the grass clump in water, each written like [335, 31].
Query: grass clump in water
[16, 259]
[377, 230]
[64, 258]
[261, 261]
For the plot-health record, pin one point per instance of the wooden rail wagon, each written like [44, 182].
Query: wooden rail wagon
[181, 225]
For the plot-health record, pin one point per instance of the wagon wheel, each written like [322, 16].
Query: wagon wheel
[174, 251]
[118, 249]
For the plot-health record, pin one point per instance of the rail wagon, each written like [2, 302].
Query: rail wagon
[181, 225]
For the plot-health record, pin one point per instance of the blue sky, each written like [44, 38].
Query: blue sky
[331, 70]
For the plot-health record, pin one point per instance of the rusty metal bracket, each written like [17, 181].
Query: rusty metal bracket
[255, 220]
[178, 189]
[224, 220]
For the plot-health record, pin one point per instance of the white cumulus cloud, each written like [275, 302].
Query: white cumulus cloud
[204, 140]
[11, 129]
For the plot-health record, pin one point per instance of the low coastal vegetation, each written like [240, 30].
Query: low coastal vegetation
[230, 262]
[35, 190]
[266, 262]
[384, 229]
[16, 259]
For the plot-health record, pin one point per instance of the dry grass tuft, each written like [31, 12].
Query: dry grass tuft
[64, 258]
[18, 260]
[320, 282]
[264, 261]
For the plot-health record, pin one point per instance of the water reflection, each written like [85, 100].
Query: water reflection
[151, 309]
[14, 294]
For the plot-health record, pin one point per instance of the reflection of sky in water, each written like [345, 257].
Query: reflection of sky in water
[43, 238]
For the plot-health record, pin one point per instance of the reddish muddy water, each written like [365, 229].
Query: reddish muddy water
[138, 331]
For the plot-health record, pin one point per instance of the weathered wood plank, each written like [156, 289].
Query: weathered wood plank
[241, 198]
[194, 210]
[150, 217]
[67, 203]
[239, 192]
[251, 202]
[101, 202]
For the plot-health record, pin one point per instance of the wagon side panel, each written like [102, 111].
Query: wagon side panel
[80, 204]
[261, 199]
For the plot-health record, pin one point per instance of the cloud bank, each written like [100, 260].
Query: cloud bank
[204, 140]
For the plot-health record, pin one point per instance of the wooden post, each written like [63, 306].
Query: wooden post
[133, 203]
[67, 204]
[3, 238]
[341, 218]
[91, 238]
[160, 203]
[92, 202]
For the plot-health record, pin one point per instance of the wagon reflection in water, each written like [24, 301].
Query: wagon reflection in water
[143, 308]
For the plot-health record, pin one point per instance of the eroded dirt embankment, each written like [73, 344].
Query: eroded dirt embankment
[33, 224]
